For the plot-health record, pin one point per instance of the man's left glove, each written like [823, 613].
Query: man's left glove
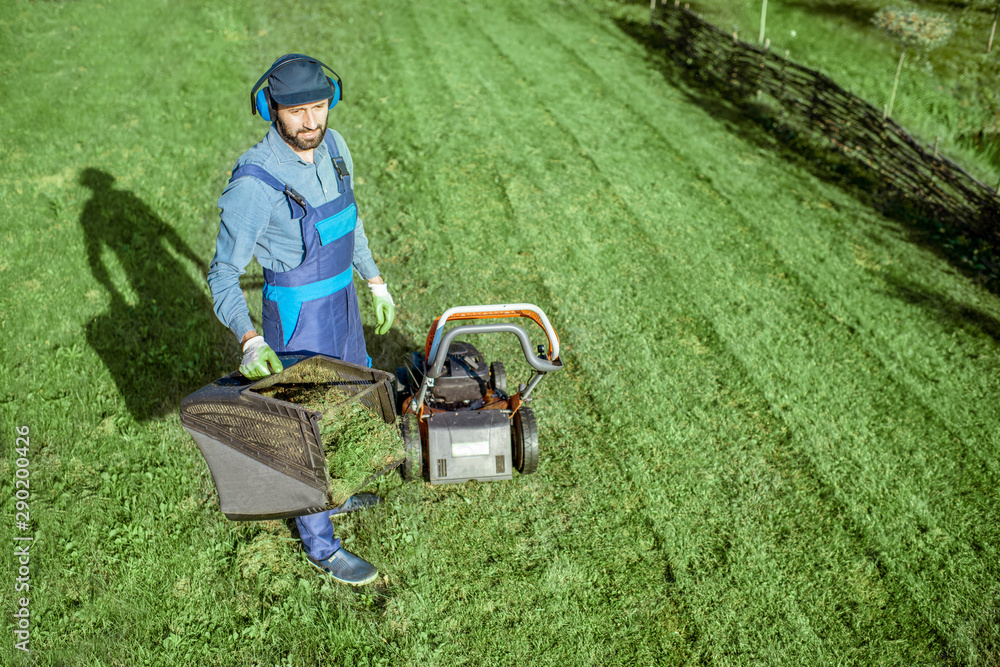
[385, 307]
[259, 360]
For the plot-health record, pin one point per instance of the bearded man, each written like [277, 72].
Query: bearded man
[290, 203]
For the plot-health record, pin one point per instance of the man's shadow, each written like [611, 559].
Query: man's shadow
[388, 351]
[160, 339]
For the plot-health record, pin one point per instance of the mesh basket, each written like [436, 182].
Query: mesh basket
[264, 453]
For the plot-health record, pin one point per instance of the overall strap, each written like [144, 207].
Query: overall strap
[339, 165]
[296, 201]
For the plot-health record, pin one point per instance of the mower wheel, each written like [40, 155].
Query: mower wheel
[409, 428]
[498, 377]
[524, 433]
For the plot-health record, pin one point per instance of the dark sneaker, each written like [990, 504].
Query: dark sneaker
[359, 501]
[347, 568]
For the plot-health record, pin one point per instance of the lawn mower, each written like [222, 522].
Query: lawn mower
[458, 419]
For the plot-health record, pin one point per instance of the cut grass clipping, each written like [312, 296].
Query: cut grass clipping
[357, 442]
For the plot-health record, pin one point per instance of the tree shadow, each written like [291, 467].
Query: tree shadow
[762, 126]
[944, 308]
[159, 338]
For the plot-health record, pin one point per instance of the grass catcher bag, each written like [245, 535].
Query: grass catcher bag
[296, 442]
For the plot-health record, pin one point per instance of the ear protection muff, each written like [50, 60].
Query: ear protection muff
[260, 97]
[262, 104]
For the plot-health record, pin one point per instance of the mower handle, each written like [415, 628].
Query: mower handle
[540, 365]
[528, 310]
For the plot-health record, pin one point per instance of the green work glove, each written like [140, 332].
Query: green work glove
[385, 307]
[259, 360]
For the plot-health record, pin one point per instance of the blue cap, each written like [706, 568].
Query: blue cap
[300, 81]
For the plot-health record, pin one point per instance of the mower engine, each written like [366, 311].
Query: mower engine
[465, 379]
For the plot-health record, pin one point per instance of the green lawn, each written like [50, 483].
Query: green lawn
[774, 441]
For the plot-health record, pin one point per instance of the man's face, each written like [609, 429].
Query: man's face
[303, 126]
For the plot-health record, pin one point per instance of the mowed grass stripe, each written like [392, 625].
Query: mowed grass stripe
[855, 238]
[909, 315]
[560, 97]
[559, 544]
[652, 287]
[898, 405]
[943, 512]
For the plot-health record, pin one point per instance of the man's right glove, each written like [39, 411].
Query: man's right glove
[259, 360]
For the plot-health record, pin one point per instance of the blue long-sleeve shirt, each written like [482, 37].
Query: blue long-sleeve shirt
[255, 221]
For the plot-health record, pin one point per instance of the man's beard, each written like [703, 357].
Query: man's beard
[296, 141]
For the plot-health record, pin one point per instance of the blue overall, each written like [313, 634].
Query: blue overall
[313, 308]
